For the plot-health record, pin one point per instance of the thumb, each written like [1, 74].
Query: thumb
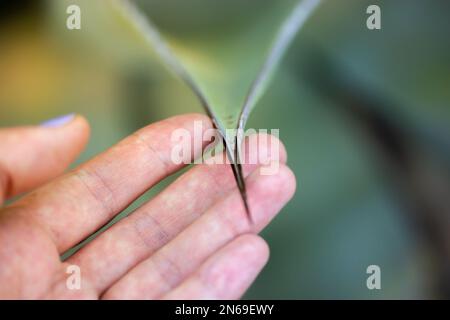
[30, 156]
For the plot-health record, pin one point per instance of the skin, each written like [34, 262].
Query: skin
[192, 241]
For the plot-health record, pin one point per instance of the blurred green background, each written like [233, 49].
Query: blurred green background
[364, 115]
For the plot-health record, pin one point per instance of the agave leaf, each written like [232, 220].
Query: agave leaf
[284, 37]
[221, 85]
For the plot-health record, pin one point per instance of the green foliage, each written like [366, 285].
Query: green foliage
[225, 93]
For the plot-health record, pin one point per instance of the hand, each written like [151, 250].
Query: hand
[191, 241]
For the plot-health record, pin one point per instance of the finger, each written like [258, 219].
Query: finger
[158, 221]
[25, 251]
[30, 156]
[224, 221]
[74, 206]
[227, 274]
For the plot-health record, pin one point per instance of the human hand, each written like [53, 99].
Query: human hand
[192, 241]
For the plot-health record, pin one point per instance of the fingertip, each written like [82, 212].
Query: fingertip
[268, 194]
[82, 121]
[37, 154]
[81, 127]
[59, 145]
[265, 148]
[281, 179]
[288, 180]
[255, 246]
[71, 137]
[72, 124]
[277, 148]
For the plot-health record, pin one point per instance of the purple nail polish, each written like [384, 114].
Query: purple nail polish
[58, 122]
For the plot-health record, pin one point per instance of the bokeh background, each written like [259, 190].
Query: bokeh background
[365, 117]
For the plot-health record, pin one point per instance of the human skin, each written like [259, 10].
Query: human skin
[192, 241]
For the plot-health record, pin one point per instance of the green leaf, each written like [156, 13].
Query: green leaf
[228, 77]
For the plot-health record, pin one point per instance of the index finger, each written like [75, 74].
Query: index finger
[77, 204]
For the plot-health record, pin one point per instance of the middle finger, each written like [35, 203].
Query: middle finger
[113, 253]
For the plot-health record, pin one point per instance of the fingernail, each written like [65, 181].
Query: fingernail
[58, 122]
